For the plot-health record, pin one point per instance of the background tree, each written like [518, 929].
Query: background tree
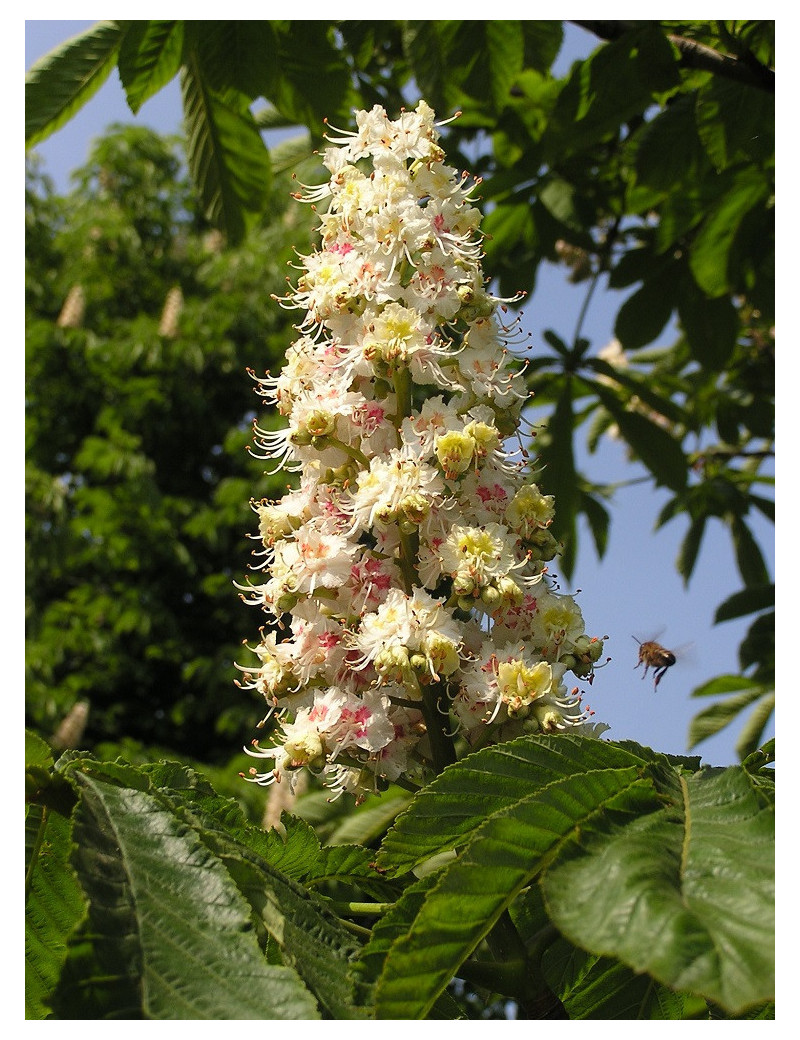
[140, 326]
[649, 166]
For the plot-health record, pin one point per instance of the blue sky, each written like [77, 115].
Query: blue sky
[635, 589]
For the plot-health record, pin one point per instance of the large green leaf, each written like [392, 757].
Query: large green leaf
[54, 904]
[170, 935]
[735, 122]
[711, 327]
[692, 890]
[228, 159]
[710, 250]
[541, 807]
[150, 56]
[642, 317]
[65, 79]
[502, 857]
[444, 814]
[592, 987]
[557, 457]
[310, 938]
[526, 808]
[655, 446]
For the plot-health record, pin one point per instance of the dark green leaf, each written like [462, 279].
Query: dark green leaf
[667, 150]
[312, 80]
[753, 733]
[149, 57]
[657, 448]
[749, 557]
[559, 477]
[709, 252]
[692, 886]
[690, 547]
[598, 519]
[559, 198]
[592, 988]
[712, 328]
[236, 55]
[717, 716]
[735, 122]
[615, 83]
[157, 894]
[63, 81]
[229, 162]
[543, 42]
[643, 315]
[556, 342]
[501, 858]
[723, 684]
[758, 646]
[642, 386]
[748, 601]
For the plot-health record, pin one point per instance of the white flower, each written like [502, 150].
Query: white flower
[408, 568]
[397, 487]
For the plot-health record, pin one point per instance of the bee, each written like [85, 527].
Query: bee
[654, 655]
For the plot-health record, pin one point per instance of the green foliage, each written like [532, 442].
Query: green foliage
[140, 328]
[151, 897]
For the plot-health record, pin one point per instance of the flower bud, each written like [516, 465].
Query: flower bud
[454, 450]
[463, 585]
[416, 507]
[393, 662]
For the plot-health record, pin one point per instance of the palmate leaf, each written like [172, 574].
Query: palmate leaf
[592, 987]
[54, 903]
[538, 807]
[65, 79]
[169, 934]
[228, 159]
[150, 56]
[691, 887]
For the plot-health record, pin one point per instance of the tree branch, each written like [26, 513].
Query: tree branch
[696, 55]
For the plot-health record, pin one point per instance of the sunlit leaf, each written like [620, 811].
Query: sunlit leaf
[150, 56]
[692, 888]
[61, 82]
[229, 161]
[708, 255]
[171, 936]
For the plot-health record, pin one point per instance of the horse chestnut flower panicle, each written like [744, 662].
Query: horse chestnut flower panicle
[406, 574]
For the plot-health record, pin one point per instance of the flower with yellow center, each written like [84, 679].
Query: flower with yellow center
[519, 683]
[478, 553]
[529, 511]
[455, 450]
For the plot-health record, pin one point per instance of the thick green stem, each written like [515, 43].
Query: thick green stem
[360, 909]
[409, 551]
[435, 709]
[402, 389]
